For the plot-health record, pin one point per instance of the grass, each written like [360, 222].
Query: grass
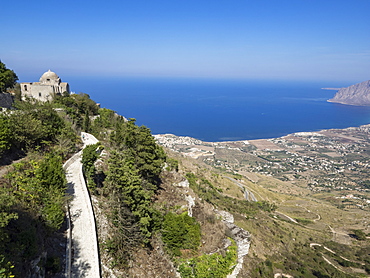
[275, 239]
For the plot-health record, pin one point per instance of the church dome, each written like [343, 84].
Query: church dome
[49, 76]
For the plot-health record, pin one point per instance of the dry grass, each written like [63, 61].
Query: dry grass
[273, 236]
[264, 144]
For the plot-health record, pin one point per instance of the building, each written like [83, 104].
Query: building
[48, 86]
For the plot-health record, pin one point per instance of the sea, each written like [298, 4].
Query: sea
[216, 110]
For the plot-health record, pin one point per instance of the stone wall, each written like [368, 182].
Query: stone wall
[6, 100]
[43, 92]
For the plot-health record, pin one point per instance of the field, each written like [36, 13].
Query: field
[318, 182]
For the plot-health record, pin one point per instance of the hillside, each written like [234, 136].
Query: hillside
[318, 183]
[295, 206]
[358, 94]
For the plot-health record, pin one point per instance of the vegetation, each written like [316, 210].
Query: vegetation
[215, 265]
[37, 197]
[7, 78]
[180, 232]
[139, 147]
[208, 192]
[79, 108]
[89, 155]
[132, 180]
[32, 193]
[32, 204]
[144, 213]
[359, 234]
[300, 262]
[34, 126]
[303, 221]
[5, 134]
[173, 164]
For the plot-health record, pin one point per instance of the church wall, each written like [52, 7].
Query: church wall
[42, 92]
[65, 87]
[49, 85]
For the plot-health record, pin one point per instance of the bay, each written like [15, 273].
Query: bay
[223, 110]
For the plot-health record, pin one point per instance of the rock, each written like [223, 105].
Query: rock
[191, 204]
[241, 237]
[6, 100]
[184, 183]
[358, 94]
[225, 216]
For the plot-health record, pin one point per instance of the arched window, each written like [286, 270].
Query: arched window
[39, 94]
[25, 87]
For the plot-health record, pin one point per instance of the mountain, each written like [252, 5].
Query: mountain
[170, 206]
[358, 94]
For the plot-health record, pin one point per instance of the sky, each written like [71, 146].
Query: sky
[260, 39]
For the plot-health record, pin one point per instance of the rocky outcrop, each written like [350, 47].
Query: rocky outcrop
[6, 100]
[358, 94]
[241, 237]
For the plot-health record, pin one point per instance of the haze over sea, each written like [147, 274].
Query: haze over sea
[223, 110]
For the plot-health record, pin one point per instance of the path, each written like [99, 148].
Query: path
[318, 217]
[331, 251]
[288, 217]
[85, 256]
[248, 194]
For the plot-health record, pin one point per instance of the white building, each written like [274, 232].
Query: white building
[48, 86]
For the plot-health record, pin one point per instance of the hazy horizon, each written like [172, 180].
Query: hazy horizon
[275, 40]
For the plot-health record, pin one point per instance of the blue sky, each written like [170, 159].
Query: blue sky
[286, 39]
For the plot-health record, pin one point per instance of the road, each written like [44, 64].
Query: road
[249, 196]
[85, 255]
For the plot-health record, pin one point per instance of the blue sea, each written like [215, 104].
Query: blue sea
[223, 110]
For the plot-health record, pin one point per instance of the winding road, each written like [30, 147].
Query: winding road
[249, 196]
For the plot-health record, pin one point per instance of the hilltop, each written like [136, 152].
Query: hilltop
[358, 94]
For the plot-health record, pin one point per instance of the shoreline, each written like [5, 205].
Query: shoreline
[199, 141]
[346, 103]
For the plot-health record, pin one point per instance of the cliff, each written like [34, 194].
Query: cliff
[358, 94]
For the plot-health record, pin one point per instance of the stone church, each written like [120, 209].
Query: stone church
[48, 86]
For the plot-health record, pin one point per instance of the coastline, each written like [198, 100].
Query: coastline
[188, 140]
[196, 148]
[346, 103]
[217, 111]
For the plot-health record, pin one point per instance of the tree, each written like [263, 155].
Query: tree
[5, 134]
[127, 181]
[139, 146]
[89, 156]
[180, 232]
[37, 124]
[7, 78]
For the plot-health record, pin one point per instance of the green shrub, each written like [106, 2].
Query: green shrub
[89, 155]
[210, 266]
[173, 164]
[303, 221]
[5, 268]
[359, 234]
[180, 232]
[39, 186]
[54, 215]
[211, 194]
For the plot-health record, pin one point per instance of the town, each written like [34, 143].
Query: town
[334, 161]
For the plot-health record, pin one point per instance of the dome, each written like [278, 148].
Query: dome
[49, 76]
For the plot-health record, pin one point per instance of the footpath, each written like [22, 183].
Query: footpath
[83, 256]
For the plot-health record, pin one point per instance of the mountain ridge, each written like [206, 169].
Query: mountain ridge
[357, 94]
